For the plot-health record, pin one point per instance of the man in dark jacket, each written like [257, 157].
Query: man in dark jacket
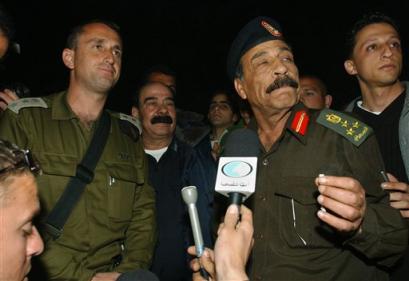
[172, 165]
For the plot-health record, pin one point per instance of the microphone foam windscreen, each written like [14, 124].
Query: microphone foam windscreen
[241, 143]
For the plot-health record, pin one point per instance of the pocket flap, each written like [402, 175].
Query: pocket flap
[126, 172]
[57, 164]
[301, 189]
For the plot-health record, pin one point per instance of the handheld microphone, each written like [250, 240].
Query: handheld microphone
[237, 169]
[138, 275]
[189, 195]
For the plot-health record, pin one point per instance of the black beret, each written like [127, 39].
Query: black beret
[257, 31]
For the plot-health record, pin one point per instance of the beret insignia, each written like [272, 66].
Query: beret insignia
[270, 29]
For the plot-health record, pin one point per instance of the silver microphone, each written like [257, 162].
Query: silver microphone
[189, 195]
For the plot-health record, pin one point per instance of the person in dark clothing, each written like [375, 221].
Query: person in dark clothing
[172, 165]
[319, 210]
[375, 59]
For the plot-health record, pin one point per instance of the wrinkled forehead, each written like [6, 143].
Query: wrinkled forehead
[272, 47]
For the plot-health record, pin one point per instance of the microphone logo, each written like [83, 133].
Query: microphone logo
[237, 169]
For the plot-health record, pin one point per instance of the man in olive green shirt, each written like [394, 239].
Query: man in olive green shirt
[319, 210]
[112, 227]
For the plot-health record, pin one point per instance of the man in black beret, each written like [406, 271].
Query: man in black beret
[319, 210]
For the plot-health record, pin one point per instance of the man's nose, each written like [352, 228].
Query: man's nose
[35, 245]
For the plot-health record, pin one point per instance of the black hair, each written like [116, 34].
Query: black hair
[14, 161]
[231, 99]
[365, 20]
[76, 31]
[321, 83]
[6, 24]
[135, 97]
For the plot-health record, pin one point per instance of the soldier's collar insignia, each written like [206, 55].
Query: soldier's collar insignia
[270, 29]
[300, 122]
[350, 128]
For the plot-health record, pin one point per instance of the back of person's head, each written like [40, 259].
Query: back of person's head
[361, 23]
[76, 31]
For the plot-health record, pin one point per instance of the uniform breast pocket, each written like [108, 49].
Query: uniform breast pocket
[57, 171]
[299, 225]
[122, 184]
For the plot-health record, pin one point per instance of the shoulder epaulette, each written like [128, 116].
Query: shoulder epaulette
[16, 105]
[350, 128]
[134, 121]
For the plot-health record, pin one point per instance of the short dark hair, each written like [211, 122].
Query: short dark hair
[321, 84]
[135, 97]
[231, 99]
[158, 68]
[76, 31]
[14, 161]
[365, 20]
[6, 24]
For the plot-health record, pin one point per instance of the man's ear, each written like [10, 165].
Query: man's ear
[238, 85]
[328, 101]
[68, 58]
[235, 118]
[350, 68]
[135, 112]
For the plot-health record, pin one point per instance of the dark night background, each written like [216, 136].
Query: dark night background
[192, 37]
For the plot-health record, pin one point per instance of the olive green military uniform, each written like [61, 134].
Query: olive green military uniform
[291, 243]
[114, 216]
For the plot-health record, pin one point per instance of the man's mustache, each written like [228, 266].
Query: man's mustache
[281, 82]
[162, 119]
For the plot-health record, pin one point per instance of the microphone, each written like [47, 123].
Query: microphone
[189, 195]
[138, 275]
[237, 169]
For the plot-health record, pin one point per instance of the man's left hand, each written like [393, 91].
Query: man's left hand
[344, 197]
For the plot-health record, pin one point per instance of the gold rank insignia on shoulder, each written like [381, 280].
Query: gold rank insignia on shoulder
[347, 126]
[16, 105]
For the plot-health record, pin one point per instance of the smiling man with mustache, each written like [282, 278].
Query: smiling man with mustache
[308, 159]
[172, 165]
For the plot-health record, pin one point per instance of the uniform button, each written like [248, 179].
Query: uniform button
[263, 198]
[265, 162]
[259, 236]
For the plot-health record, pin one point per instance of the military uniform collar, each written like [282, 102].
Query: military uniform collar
[298, 122]
[60, 108]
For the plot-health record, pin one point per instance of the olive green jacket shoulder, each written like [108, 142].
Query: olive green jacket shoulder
[114, 219]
